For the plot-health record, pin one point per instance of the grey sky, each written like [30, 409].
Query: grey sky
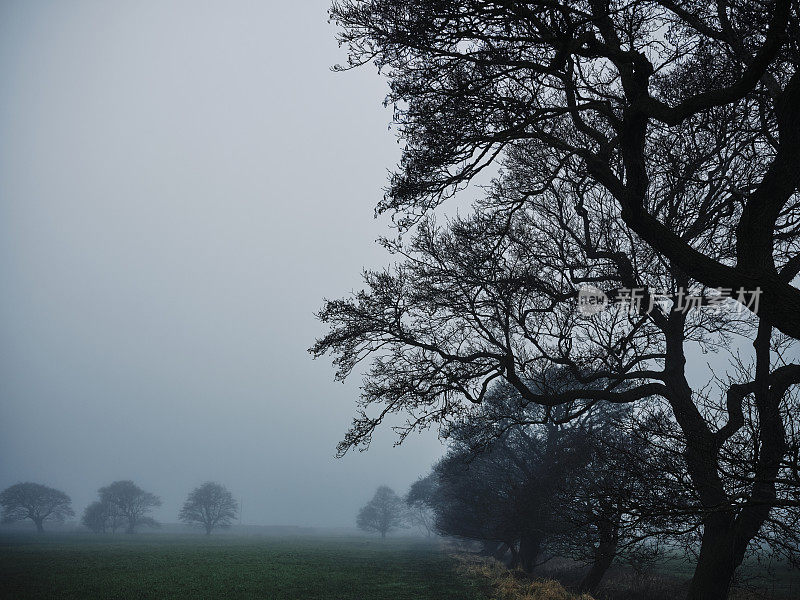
[180, 185]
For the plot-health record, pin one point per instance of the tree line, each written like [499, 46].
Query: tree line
[532, 483]
[529, 489]
[643, 150]
[120, 505]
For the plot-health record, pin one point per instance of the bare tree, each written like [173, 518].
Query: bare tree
[384, 513]
[495, 497]
[500, 477]
[493, 296]
[210, 505]
[601, 87]
[95, 517]
[36, 502]
[611, 507]
[556, 488]
[418, 504]
[671, 124]
[101, 516]
[132, 502]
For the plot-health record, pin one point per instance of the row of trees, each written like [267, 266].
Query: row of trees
[602, 485]
[121, 504]
[387, 512]
[647, 148]
[529, 491]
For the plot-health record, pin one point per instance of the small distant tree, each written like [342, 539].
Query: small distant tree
[101, 517]
[384, 513]
[36, 502]
[94, 517]
[418, 502]
[132, 502]
[211, 505]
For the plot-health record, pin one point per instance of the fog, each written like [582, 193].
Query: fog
[181, 183]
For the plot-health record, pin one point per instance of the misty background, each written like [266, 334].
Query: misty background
[181, 183]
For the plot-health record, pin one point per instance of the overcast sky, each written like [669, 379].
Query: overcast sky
[181, 183]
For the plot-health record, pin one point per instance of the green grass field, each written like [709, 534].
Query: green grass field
[193, 566]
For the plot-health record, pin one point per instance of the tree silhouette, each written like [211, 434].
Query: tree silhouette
[132, 502]
[100, 516]
[600, 88]
[647, 146]
[384, 513]
[36, 502]
[493, 297]
[418, 505]
[210, 505]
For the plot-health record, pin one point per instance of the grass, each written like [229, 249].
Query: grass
[514, 585]
[175, 566]
[192, 566]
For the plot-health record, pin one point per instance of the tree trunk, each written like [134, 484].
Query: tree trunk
[514, 562]
[383, 535]
[725, 535]
[603, 557]
[529, 547]
[39, 525]
[717, 561]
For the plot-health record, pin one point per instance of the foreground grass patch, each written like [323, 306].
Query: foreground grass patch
[164, 566]
[512, 585]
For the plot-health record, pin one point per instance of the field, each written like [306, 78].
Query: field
[305, 567]
[193, 566]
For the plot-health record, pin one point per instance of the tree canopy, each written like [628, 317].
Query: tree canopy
[599, 89]
[383, 514]
[130, 501]
[211, 506]
[36, 502]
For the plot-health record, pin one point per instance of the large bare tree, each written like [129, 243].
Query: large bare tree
[647, 148]
[493, 297]
[604, 85]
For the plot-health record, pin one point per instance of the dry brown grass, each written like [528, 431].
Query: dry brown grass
[513, 585]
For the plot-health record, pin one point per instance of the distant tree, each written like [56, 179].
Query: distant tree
[418, 503]
[102, 516]
[210, 505]
[94, 517]
[384, 513]
[132, 502]
[36, 502]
